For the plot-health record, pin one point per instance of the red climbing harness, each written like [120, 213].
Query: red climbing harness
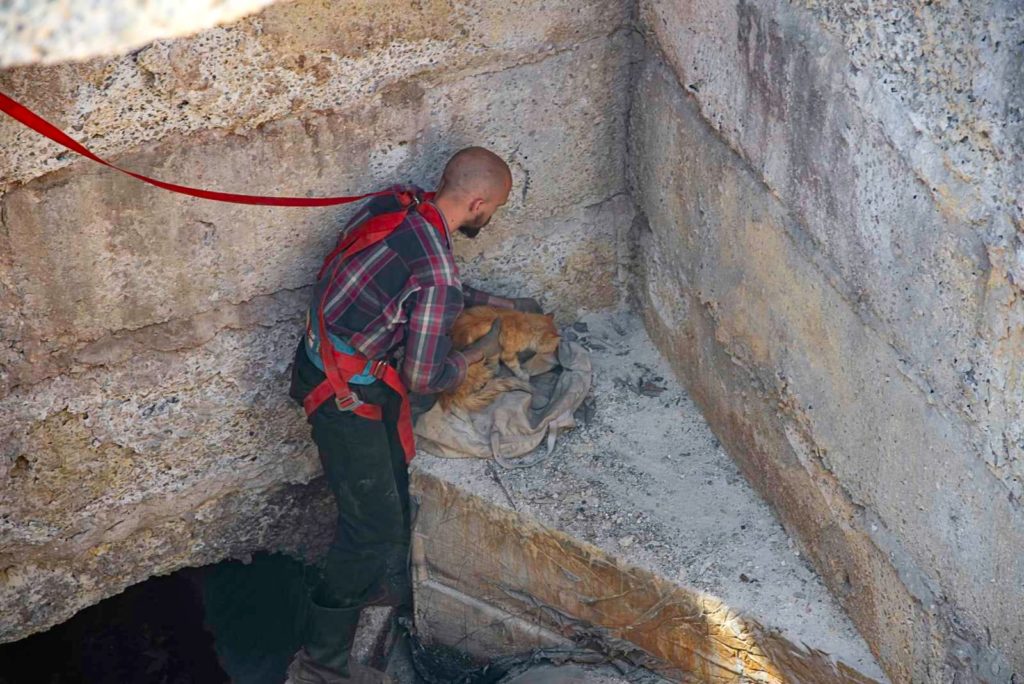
[340, 367]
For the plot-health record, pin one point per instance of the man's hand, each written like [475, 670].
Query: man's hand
[487, 346]
[527, 305]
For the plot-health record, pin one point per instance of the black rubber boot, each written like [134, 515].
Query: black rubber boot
[324, 659]
[305, 670]
[329, 635]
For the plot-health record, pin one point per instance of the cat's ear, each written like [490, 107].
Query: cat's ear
[550, 315]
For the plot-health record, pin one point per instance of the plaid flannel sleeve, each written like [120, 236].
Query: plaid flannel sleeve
[430, 364]
[475, 297]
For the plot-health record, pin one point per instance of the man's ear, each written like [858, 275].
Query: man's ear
[475, 204]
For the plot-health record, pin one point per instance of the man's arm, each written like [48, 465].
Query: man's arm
[430, 364]
[475, 297]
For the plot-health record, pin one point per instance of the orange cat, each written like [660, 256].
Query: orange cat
[521, 333]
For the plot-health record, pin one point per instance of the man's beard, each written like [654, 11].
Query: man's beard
[473, 227]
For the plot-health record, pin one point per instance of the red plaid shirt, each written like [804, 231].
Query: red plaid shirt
[404, 290]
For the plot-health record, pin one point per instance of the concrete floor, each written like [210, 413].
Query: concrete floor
[401, 669]
[647, 481]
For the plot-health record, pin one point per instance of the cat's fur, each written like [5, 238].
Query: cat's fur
[521, 333]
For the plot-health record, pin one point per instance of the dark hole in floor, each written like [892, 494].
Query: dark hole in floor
[231, 622]
[161, 631]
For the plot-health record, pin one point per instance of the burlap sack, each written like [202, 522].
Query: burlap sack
[517, 422]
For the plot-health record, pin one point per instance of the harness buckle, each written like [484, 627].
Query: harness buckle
[409, 199]
[349, 402]
[378, 367]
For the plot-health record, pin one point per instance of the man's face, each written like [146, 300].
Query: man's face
[472, 227]
[485, 212]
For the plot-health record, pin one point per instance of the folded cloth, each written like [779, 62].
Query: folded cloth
[518, 421]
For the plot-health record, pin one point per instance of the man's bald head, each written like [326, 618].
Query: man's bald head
[474, 184]
[476, 171]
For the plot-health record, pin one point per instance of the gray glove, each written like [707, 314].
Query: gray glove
[527, 305]
[487, 346]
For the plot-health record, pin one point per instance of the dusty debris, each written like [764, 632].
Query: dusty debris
[648, 482]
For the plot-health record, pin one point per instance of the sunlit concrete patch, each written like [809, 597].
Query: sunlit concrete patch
[145, 423]
[638, 536]
[818, 402]
[47, 31]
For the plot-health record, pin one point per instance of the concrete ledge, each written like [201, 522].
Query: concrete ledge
[638, 537]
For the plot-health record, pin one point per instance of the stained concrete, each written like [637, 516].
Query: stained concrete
[828, 250]
[308, 58]
[649, 484]
[815, 391]
[894, 137]
[144, 420]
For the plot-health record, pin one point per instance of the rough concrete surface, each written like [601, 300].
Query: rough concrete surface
[862, 134]
[827, 246]
[647, 482]
[317, 57]
[576, 674]
[885, 488]
[88, 252]
[47, 31]
[175, 458]
[144, 422]
[954, 72]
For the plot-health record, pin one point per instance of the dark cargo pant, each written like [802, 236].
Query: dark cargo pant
[365, 468]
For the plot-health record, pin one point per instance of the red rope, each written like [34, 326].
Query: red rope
[40, 125]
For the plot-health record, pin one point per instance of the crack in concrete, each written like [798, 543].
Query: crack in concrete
[117, 346]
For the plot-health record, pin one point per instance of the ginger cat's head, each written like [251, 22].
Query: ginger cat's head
[545, 344]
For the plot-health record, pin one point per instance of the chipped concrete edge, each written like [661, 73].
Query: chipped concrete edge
[34, 32]
[571, 587]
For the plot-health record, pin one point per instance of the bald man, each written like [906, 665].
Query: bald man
[394, 301]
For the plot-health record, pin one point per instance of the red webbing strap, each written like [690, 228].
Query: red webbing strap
[324, 392]
[317, 397]
[25, 116]
[433, 216]
[393, 380]
[340, 367]
[369, 232]
[374, 229]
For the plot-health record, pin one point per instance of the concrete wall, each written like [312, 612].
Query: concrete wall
[830, 251]
[147, 336]
[49, 31]
[831, 254]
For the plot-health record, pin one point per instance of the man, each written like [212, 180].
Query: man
[396, 297]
